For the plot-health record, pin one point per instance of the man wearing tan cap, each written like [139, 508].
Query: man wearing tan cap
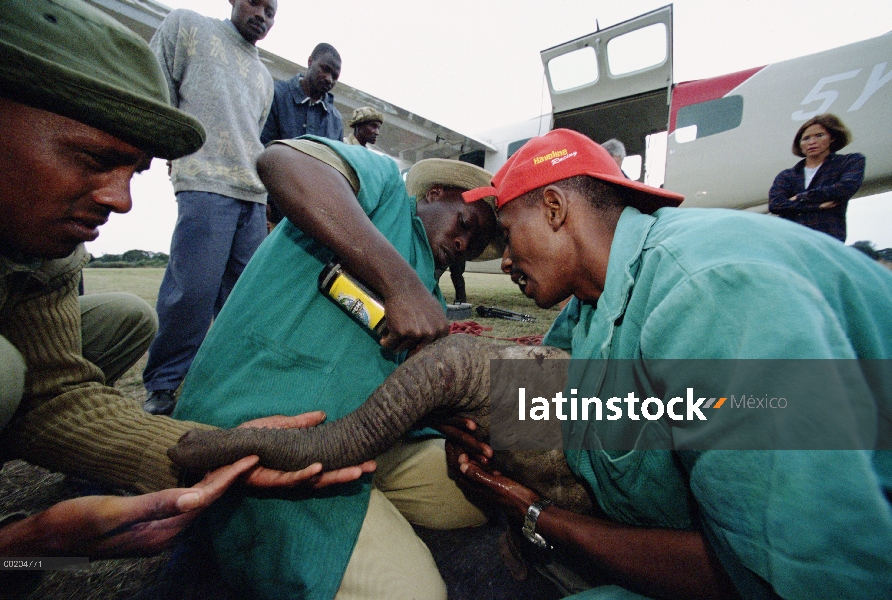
[727, 496]
[366, 123]
[302, 350]
[84, 106]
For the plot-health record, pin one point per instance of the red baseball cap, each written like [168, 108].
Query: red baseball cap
[560, 154]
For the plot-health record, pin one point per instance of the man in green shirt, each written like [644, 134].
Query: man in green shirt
[681, 295]
[83, 107]
[281, 345]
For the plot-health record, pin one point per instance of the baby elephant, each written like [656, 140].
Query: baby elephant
[450, 377]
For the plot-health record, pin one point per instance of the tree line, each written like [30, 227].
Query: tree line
[130, 259]
[144, 258]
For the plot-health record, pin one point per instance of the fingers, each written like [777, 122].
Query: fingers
[480, 478]
[400, 343]
[105, 526]
[308, 419]
[262, 477]
[215, 483]
[389, 339]
[413, 321]
[119, 524]
[466, 442]
[462, 422]
[312, 476]
[475, 473]
[344, 475]
[142, 525]
[455, 456]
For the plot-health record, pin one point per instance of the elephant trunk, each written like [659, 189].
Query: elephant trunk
[448, 377]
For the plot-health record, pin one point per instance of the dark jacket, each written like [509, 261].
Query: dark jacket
[837, 180]
[290, 117]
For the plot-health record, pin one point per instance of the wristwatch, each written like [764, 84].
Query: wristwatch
[529, 524]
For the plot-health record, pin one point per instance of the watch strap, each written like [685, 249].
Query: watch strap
[531, 520]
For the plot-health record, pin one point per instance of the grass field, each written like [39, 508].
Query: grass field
[142, 282]
[483, 289]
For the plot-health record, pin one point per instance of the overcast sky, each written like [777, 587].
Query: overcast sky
[474, 65]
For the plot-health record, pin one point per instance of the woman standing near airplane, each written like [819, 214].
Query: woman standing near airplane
[816, 191]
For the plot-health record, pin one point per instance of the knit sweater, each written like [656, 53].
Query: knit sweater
[217, 77]
[69, 420]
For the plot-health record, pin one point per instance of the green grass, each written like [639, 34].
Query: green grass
[483, 289]
[142, 282]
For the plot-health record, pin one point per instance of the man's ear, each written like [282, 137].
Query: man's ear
[434, 193]
[555, 205]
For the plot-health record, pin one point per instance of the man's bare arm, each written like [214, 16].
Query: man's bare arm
[318, 199]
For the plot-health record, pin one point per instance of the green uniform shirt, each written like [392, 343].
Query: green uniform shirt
[716, 284]
[280, 347]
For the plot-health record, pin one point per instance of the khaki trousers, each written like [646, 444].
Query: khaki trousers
[116, 330]
[12, 380]
[389, 560]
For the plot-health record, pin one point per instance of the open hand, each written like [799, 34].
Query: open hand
[117, 526]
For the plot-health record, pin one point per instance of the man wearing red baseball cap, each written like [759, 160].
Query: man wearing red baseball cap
[650, 281]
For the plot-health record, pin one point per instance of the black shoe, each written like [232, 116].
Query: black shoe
[160, 402]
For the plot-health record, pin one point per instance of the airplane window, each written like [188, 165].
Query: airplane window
[632, 166]
[515, 146]
[686, 134]
[700, 120]
[574, 69]
[637, 50]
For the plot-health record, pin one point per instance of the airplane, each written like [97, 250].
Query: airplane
[719, 141]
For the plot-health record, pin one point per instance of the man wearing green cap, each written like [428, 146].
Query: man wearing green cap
[84, 106]
[215, 74]
[366, 123]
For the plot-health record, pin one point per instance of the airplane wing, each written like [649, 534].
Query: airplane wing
[406, 137]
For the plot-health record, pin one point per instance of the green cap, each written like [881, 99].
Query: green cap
[364, 114]
[69, 58]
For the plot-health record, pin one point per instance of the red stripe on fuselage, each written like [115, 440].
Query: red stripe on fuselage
[701, 90]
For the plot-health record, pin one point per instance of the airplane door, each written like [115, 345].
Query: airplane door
[616, 82]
